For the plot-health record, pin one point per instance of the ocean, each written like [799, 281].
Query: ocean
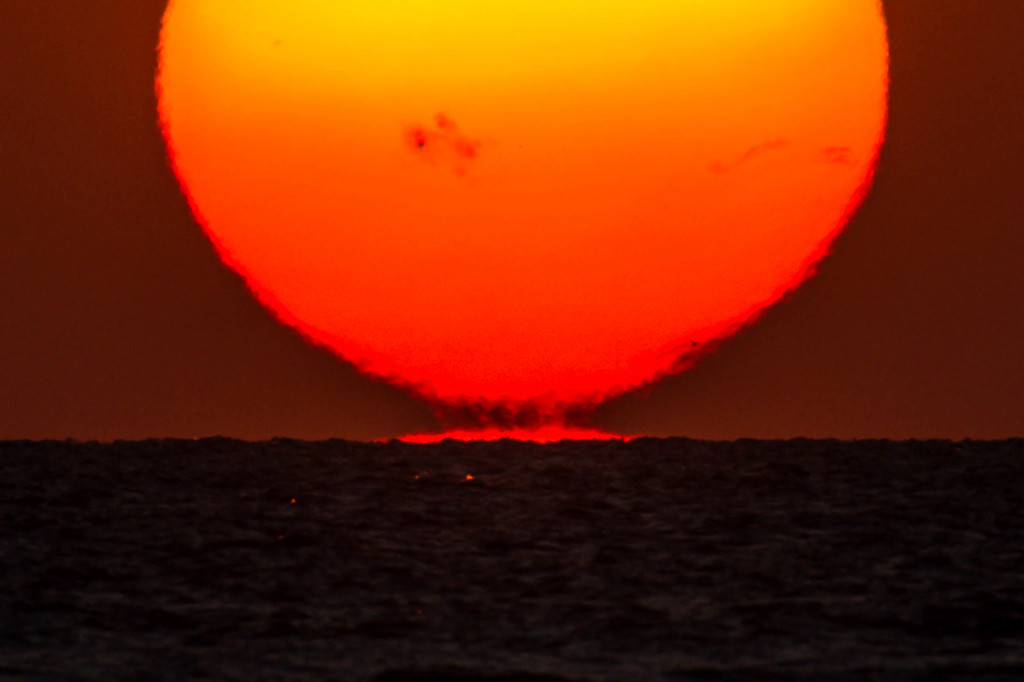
[666, 560]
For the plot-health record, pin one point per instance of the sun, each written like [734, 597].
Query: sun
[517, 199]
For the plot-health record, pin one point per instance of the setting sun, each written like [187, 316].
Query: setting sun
[515, 199]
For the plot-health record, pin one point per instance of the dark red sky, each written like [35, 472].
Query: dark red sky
[118, 321]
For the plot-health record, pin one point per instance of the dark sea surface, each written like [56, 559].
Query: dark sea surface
[664, 560]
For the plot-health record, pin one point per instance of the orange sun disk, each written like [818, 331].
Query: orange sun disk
[521, 200]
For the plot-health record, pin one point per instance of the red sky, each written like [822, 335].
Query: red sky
[118, 321]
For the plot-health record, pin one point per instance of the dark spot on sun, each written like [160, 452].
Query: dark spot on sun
[443, 122]
[464, 147]
[837, 154]
[442, 143]
[417, 137]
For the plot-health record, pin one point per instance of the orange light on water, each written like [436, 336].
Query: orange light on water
[520, 199]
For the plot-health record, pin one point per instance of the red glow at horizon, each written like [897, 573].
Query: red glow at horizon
[518, 200]
[546, 434]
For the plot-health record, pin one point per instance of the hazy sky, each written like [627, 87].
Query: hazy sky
[118, 321]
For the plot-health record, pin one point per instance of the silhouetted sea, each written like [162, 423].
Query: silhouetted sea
[664, 560]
